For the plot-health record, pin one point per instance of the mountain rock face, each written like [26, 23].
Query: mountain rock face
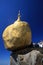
[32, 58]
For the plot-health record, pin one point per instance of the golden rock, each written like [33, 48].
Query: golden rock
[17, 35]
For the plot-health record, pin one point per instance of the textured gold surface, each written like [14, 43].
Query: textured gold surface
[17, 35]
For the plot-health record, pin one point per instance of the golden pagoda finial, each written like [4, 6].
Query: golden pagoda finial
[19, 15]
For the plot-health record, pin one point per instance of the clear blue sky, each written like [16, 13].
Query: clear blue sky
[31, 11]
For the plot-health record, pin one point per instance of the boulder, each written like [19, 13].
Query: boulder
[17, 35]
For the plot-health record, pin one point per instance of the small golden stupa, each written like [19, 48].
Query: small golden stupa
[17, 35]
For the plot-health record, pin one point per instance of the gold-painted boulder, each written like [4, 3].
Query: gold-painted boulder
[17, 35]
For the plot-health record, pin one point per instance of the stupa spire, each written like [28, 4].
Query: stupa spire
[19, 15]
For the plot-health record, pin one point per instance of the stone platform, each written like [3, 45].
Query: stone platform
[29, 58]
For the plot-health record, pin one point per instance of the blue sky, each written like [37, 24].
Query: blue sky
[31, 11]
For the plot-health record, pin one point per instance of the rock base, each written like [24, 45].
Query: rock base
[32, 58]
